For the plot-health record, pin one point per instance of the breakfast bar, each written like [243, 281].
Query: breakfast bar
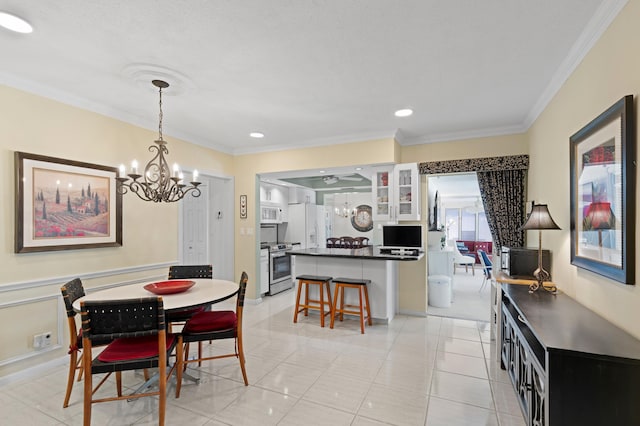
[369, 262]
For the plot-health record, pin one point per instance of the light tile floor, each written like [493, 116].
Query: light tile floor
[414, 371]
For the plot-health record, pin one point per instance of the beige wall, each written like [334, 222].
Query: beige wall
[30, 283]
[610, 71]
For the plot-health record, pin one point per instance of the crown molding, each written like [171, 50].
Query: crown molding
[596, 26]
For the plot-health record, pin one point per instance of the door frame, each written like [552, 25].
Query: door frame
[228, 197]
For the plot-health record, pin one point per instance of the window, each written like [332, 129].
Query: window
[464, 225]
[484, 234]
[451, 223]
[468, 226]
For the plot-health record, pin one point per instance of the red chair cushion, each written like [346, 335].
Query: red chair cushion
[133, 348]
[211, 321]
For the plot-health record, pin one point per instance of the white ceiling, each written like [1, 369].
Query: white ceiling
[305, 72]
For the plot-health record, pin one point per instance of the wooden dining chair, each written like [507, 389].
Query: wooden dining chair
[72, 291]
[140, 341]
[213, 325]
[178, 272]
[333, 242]
[347, 242]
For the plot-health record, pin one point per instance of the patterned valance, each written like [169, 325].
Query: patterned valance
[487, 164]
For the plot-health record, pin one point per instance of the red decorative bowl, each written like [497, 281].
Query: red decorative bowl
[169, 287]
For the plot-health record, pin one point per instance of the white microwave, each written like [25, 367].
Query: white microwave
[270, 214]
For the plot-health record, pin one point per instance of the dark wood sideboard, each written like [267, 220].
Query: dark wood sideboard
[568, 365]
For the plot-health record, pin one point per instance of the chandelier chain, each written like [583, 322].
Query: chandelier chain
[160, 115]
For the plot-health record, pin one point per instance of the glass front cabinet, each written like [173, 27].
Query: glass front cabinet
[396, 192]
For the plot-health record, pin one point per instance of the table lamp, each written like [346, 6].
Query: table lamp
[540, 219]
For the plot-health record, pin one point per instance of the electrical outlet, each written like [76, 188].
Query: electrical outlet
[42, 340]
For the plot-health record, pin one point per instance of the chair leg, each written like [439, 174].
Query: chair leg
[341, 303]
[360, 291]
[73, 366]
[88, 387]
[119, 382]
[80, 367]
[306, 299]
[242, 360]
[333, 307]
[297, 309]
[179, 365]
[321, 305]
[366, 298]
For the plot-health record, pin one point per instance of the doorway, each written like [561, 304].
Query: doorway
[206, 227]
[458, 228]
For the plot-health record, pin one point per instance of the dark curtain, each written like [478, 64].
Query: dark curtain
[503, 191]
[503, 196]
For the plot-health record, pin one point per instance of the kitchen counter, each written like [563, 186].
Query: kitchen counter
[362, 263]
[367, 252]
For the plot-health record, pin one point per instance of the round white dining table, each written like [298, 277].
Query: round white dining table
[203, 292]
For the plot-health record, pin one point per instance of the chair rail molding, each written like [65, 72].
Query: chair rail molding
[84, 276]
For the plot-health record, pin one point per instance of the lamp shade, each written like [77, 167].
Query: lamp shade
[539, 218]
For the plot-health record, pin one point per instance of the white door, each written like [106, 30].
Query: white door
[207, 227]
[195, 244]
[221, 228]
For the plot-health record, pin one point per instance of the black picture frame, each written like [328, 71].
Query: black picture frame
[65, 205]
[603, 187]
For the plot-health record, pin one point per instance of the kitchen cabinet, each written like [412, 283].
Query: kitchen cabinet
[299, 195]
[568, 365]
[396, 193]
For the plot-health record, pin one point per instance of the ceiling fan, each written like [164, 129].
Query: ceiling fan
[332, 179]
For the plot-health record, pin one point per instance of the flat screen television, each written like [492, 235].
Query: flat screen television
[402, 236]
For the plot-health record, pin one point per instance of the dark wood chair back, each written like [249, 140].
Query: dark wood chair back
[140, 342]
[333, 242]
[178, 272]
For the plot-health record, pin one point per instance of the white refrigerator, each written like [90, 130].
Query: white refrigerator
[303, 225]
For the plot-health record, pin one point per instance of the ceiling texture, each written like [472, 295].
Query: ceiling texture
[305, 72]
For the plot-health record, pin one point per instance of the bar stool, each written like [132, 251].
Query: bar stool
[361, 286]
[319, 304]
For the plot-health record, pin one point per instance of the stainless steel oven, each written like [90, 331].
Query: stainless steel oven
[279, 268]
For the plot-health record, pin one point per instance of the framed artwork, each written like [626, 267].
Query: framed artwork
[65, 205]
[602, 180]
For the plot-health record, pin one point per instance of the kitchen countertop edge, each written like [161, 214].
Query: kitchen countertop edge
[369, 252]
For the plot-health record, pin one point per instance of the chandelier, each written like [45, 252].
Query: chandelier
[156, 183]
[345, 211]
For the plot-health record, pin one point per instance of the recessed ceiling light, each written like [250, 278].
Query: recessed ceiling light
[256, 135]
[322, 171]
[13, 23]
[403, 112]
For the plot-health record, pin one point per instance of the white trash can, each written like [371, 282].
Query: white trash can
[439, 288]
